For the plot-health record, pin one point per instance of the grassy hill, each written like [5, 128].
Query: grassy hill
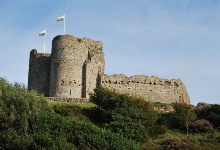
[110, 121]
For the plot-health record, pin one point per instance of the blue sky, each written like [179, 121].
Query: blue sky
[165, 38]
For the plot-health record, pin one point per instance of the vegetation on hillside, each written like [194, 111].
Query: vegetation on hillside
[111, 121]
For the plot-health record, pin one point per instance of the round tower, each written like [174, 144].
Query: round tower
[68, 75]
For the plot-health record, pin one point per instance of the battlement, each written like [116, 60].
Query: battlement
[142, 79]
[34, 54]
[76, 66]
[152, 88]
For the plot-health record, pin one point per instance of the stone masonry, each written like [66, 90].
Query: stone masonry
[39, 72]
[76, 66]
[152, 88]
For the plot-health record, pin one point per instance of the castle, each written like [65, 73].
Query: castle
[76, 66]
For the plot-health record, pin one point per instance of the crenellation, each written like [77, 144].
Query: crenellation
[152, 88]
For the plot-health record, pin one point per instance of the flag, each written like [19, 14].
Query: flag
[61, 18]
[42, 33]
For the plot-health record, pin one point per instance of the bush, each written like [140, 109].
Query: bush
[70, 111]
[202, 125]
[18, 109]
[89, 136]
[156, 130]
[175, 144]
[127, 115]
[210, 143]
[52, 130]
[167, 119]
[211, 114]
[181, 144]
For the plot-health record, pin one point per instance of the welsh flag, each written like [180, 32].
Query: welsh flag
[61, 18]
[42, 33]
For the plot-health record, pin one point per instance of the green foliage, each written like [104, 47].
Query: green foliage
[166, 119]
[159, 104]
[156, 130]
[52, 130]
[211, 142]
[183, 115]
[18, 108]
[129, 116]
[73, 112]
[89, 136]
[27, 122]
[86, 105]
[211, 114]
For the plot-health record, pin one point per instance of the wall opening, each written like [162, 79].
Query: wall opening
[70, 92]
[83, 95]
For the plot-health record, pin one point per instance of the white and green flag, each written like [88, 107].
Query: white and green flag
[42, 33]
[61, 18]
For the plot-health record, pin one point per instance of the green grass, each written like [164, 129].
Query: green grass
[158, 104]
[174, 133]
[83, 105]
[86, 105]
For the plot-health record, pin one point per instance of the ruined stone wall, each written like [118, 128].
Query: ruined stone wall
[39, 72]
[152, 88]
[70, 74]
[93, 66]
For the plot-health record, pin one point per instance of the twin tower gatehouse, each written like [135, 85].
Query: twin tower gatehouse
[76, 66]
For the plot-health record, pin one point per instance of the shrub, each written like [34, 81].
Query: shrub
[89, 136]
[50, 130]
[175, 144]
[53, 130]
[166, 119]
[156, 130]
[18, 109]
[202, 125]
[210, 143]
[127, 115]
[181, 144]
[70, 111]
[211, 114]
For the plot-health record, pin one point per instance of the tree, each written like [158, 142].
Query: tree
[184, 114]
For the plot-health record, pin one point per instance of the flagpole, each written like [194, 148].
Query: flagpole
[45, 39]
[64, 22]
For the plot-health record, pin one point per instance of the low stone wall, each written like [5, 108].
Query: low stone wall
[68, 100]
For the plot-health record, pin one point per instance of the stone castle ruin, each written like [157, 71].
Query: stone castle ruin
[76, 66]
